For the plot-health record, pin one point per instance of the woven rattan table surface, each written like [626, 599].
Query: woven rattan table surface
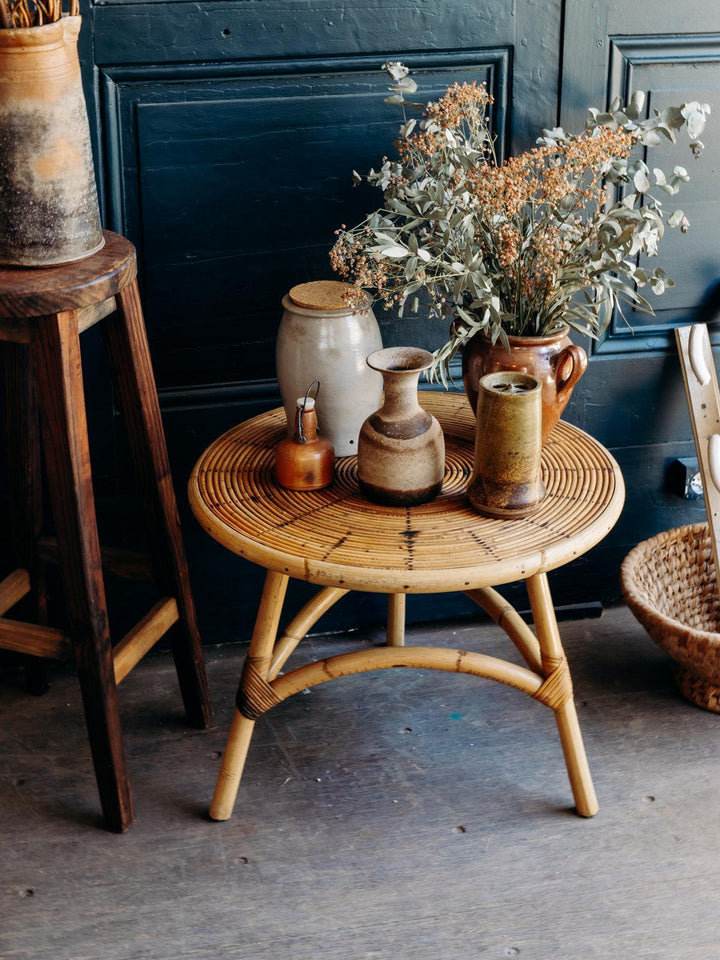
[335, 537]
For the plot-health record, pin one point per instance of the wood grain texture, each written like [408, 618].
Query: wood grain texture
[129, 355]
[58, 371]
[703, 400]
[35, 640]
[43, 369]
[337, 538]
[129, 651]
[27, 293]
[13, 588]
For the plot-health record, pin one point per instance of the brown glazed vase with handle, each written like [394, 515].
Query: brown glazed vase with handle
[556, 362]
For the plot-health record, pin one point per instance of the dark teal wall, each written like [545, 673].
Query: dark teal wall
[226, 133]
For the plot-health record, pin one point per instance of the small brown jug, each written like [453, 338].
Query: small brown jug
[555, 361]
[305, 461]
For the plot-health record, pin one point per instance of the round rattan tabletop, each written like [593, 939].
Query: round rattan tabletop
[334, 537]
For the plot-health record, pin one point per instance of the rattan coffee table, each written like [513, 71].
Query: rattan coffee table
[341, 542]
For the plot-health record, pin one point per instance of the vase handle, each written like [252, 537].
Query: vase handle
[578, 358]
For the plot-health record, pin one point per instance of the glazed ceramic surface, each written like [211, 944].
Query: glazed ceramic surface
[329, 345]
[556, 362]
[305, 461]
[506, 479]
[48, 199]
[401, 450]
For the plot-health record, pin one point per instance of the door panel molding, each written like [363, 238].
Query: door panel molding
[202, 178]
[670, 68]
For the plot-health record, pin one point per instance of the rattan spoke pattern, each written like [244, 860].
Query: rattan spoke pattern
[335, 531]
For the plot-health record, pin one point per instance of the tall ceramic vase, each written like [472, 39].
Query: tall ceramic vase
[401, 450]
[48, 199]
[322, 338]
[556, 362]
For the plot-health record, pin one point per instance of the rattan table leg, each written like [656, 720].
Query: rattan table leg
[552, 653]
[260, 656]
[395, 635]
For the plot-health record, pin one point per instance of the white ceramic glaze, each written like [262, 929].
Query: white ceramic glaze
[330, 346]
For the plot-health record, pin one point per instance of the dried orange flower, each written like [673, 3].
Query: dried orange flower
[508, 247]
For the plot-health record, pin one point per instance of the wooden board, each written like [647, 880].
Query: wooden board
[703, 396]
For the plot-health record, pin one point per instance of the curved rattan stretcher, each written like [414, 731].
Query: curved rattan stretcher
[338, 540]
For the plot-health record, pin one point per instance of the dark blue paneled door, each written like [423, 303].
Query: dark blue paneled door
[227, 133]
[632, 397]
[231, 133]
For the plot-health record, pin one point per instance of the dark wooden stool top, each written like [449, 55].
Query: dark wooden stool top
[42, 314]
[27, 292]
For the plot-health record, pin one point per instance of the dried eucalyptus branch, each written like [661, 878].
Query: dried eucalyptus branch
[33, 13]
[520, 248]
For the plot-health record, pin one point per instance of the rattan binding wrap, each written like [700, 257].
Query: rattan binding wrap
[669, 583]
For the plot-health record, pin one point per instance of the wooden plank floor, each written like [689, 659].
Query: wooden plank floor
[400, 815]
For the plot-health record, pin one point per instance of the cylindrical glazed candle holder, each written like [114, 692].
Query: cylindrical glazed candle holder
[506, 480]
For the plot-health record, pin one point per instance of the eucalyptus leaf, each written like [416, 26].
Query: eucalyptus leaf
[404, 85]
[396, 69]
[523, 248]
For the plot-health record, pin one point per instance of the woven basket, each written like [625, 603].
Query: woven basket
[670, 586]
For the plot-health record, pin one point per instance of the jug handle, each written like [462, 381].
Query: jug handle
[578, 357]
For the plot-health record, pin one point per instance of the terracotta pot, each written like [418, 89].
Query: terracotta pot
[401, 448]
[48, 199]
[506, 479]
[556, 362]
[322, 338]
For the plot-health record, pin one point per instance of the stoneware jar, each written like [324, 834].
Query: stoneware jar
[506, 480]
[48, 199]
[401, 450]
[556, 362]
[322, 338]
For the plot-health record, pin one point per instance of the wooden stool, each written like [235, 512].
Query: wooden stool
[42, 313]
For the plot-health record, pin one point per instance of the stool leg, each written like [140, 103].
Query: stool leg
[552, 653]
[56, 348]
[260, 653]
[129, 356]
[22, 449]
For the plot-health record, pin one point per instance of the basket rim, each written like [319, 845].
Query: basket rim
[637, 602]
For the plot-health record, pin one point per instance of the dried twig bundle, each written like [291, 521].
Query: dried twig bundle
[33, 13]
